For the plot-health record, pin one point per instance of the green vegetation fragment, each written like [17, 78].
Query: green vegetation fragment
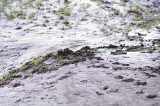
[31, 15]
[65, 10]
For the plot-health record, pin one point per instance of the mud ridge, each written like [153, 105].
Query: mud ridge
[49, 62]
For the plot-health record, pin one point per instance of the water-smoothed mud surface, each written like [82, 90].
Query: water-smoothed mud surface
[102, 53]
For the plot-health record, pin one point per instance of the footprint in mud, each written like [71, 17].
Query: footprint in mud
[119, 77]
[84, 81]
[152, 69]
[151, 96]
[128, 80]
[149, 75]
[116, 63]
[117, 68]
[123, 64]
[18, 28]
[141, 83]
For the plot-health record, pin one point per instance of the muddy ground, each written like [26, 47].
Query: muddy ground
[85, 53]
